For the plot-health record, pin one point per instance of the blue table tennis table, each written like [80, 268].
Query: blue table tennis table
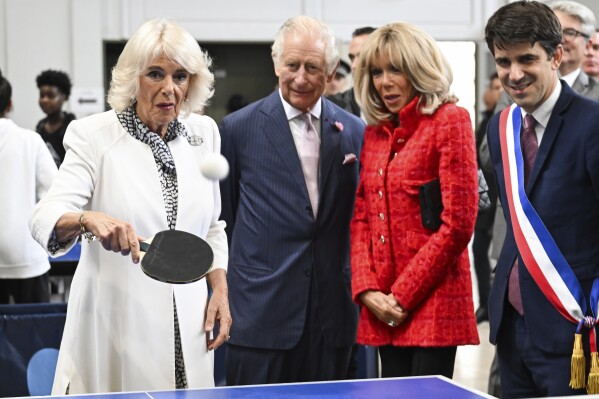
[397, 388]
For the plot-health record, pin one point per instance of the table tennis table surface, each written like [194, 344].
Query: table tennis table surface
[396, 388]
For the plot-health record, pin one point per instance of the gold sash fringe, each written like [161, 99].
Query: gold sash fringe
[578, 365]
[593, 384]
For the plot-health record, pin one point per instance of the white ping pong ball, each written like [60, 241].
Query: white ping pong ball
[214, 167]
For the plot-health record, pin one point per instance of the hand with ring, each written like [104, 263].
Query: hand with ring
[385, 307]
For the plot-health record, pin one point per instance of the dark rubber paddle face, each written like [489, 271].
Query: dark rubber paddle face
[176, 257]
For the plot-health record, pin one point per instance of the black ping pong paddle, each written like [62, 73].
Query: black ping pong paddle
[176, 257]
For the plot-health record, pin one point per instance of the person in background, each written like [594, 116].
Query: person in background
[590, 65]
[546, 161]
[55, 89]
[578, 25]
[28, 171]
[236, 102]
[339, 82]
[483, 230]
[288, 201]
[128, 174]
[412, 282]
[347, 99]
[490, 225]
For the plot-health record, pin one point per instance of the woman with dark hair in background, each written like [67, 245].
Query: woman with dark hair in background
[55, 89]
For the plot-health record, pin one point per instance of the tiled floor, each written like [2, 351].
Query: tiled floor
[474, 362]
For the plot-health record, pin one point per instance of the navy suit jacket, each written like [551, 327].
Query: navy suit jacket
[564, 190]
[275, 241]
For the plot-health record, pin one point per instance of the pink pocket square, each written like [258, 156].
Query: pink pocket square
[349, 159]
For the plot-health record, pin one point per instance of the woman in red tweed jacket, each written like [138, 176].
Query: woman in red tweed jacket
[413, 283]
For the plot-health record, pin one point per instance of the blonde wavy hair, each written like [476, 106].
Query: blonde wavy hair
[415, 54]
[154, 39]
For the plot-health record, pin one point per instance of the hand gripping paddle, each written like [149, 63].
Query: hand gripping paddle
[176, 257]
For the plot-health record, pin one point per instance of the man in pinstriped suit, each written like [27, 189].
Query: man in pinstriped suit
[289, 272]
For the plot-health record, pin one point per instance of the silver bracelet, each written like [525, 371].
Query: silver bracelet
[88, 235]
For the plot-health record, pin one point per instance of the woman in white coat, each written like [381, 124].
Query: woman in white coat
[128, 174]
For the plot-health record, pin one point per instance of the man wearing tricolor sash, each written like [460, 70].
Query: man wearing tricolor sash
[545, 155]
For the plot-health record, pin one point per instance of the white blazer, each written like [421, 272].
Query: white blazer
[119, 332]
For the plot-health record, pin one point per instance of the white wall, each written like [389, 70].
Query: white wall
[68, 34]
[57, 34]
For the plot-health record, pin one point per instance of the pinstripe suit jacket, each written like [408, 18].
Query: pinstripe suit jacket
[276, 244]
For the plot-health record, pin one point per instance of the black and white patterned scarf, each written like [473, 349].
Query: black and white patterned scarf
[162, 155]
[168, 179]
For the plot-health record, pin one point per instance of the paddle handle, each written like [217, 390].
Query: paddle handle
[144, 246]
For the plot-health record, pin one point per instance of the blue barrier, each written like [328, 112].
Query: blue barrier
[30, 336]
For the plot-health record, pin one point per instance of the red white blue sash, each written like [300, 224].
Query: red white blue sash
[542, 257]
[538, 250]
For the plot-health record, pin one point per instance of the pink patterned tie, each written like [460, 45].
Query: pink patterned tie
[530, 147]
[309, 153]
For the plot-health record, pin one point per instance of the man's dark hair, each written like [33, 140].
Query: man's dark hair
[5, 94]
[58, 79]
[524, 22]
[366, 30]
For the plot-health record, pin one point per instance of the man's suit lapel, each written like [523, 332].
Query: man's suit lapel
[275, 127]
[552, 130]
[586, 86]
[581, 83]
[330, 141]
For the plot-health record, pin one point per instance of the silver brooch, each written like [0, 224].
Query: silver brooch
[195, 140]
